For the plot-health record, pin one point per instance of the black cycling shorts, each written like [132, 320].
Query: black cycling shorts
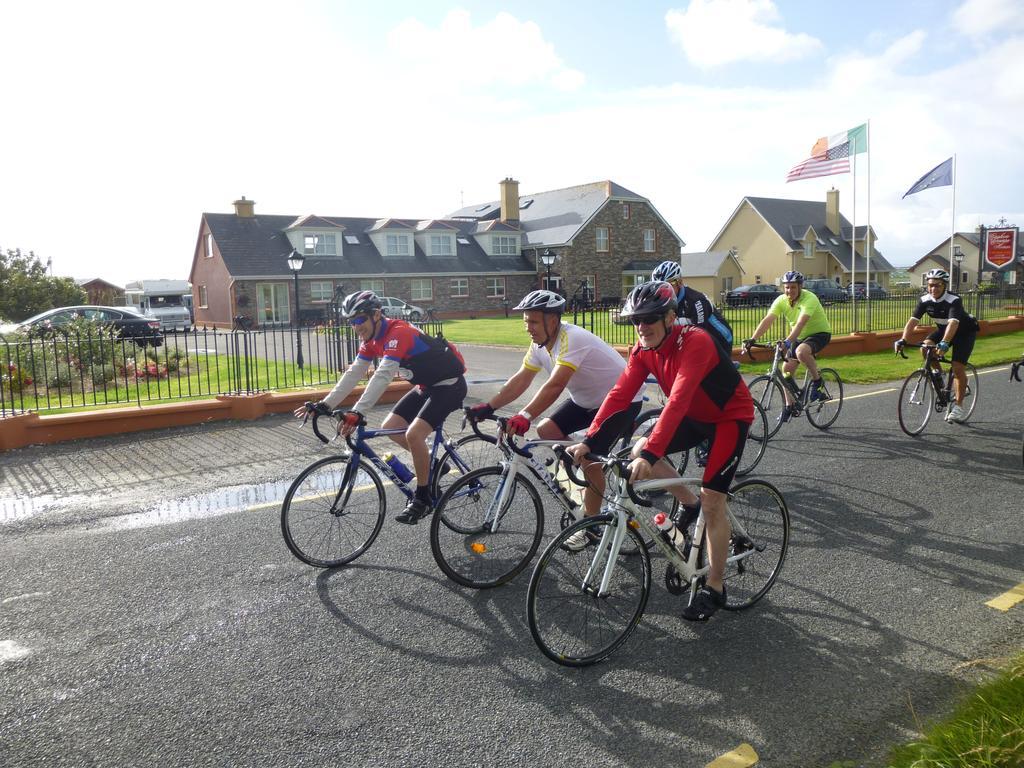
[727, 440]
[816, 341]
[432, 404]
[962, 346]
[570, 417]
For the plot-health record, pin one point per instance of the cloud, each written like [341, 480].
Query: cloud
[979, 19]
[500, 52]
[716, 32]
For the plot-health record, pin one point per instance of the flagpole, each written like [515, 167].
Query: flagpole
[867, 233]
[952, 225]
[853, 252]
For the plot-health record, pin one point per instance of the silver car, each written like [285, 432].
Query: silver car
[393, 307]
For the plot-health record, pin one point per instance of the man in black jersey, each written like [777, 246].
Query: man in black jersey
[954, 327]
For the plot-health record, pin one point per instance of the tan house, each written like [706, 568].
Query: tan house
[772, 236]
[972, 271]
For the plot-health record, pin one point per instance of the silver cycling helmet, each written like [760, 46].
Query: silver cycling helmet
[548, 302]
[937, 274]
[360, 303]
[667, 271]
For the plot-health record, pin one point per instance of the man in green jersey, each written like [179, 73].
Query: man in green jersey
[809, 331]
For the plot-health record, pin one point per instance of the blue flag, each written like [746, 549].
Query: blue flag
[939, 176]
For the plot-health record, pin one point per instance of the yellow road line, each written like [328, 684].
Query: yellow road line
[741, 757]
[1007, 600]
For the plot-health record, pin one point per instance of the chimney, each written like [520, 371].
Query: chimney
[243, 208]
[509, 200]
[832, 211]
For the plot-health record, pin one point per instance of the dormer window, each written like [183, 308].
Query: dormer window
[397, 245]
[809, 249]
[440, 245]
[504, 245]
[324, 244]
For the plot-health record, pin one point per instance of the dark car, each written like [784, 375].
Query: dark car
[760, 294]
[827, 291]
[129, 323]
[877, 291]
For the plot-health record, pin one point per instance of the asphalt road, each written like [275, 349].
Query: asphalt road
[150, 613]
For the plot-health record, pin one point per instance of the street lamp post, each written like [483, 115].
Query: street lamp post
[295, 262]
[548, 259]
[958, 257]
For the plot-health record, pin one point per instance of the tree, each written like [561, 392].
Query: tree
[26, 289]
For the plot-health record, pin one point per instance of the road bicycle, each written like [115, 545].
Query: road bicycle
[925, 390]
[582, 605]
[769, 390]
[334, 509]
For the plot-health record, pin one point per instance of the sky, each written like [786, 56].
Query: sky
[122, 122]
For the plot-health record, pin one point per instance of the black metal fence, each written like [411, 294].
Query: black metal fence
[98, 367]
[886, 314]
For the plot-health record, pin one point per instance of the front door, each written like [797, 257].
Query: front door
[272, 303]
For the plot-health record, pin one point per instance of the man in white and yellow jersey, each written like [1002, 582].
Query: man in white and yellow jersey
[575, 360]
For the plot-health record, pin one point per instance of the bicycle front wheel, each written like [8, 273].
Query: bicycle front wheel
[645, 423]
[822, 413]
[469, 453]
[971, 395]
[757, 442]
[757, 546]
[333, 511]
[571, 620]
[476, 543]
[916, 403]
[768, 392]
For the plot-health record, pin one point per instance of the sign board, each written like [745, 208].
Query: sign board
[1001, 246]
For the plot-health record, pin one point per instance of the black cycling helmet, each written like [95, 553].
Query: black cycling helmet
[359, 303]
[793, 276]
[654, 298]
[667, 271]
[547, 302]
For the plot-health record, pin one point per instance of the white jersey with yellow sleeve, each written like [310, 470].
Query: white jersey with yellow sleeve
[596, 365]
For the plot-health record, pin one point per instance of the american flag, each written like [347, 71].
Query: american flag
[835, 160]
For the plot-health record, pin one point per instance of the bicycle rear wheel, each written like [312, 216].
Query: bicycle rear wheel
[461, 537]
[823, 413]
[759, 541]
[768, 392]
[471, 452]
[971, 395]
[916, 403]
[757, 442]
[333, 511]
[571, 623]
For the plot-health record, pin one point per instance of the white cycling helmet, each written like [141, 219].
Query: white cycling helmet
[360, 303]
[937, 274]
[548, 302]
[666, 272]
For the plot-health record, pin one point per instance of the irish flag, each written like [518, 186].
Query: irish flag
[831, 154]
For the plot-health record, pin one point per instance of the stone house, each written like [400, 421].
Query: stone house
[772, 236]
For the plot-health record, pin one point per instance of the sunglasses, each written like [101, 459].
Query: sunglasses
[646, 319]
[358, 319]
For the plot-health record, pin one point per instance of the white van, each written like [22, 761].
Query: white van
[165, 300]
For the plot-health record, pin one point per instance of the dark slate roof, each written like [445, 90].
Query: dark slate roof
[258, 247]
[791, 218]
[554, 217]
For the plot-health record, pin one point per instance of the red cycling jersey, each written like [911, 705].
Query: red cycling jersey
[700, 379]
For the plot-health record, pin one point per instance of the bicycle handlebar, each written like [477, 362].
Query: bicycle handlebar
[503, 436]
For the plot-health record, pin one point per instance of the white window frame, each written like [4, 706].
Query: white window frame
[625, 210]
[441, 245]
[504, 245]
[209, 245]
[650, 240]
[416, 292]
[396, 244]
[204, 297]
[321, 291]
[495, 288]
[631, 281]
[459, 287]
[809, 249]
[554, 284]
[602, 239]
[374, 284]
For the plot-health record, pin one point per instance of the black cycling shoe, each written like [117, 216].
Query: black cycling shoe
[704, 604]
[414, 511]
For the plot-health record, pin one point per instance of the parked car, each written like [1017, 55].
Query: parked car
[827, 291]
[129, 323]
[397, 308]
[877, 291]
[760, 294]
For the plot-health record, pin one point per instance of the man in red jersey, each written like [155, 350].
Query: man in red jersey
[707, 400]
